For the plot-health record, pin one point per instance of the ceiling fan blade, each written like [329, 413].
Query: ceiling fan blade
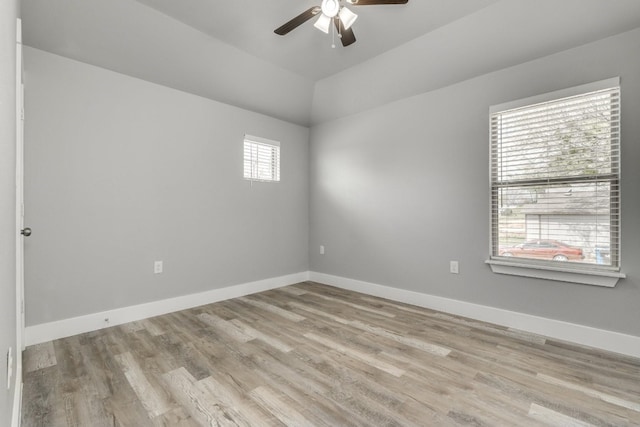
[346, 36]
[372, 2]
[297, 21]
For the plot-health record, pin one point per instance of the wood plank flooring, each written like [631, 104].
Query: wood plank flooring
[314, 355]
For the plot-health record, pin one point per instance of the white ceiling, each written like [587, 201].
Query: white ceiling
[227, 50]
[249, 24]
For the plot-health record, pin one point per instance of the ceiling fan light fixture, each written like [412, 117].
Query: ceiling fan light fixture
[330, 8]
[323, 23]
[347, 17]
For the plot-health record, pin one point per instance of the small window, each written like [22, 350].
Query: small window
[555, 179]
[261, 159]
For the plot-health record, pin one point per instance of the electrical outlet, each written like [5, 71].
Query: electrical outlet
[9, 367]
[321, 249]
[157, 267]
[453, 267]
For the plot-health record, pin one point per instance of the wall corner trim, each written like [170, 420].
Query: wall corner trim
[44, 332]
[557, 329]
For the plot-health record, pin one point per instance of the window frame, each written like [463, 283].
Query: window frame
[255, 163]
[569, 272]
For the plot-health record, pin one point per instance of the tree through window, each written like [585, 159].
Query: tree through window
[555, 170]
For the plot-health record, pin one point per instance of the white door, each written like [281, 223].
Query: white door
[22, 232]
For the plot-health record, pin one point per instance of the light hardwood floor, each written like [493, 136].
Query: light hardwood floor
[314, 355]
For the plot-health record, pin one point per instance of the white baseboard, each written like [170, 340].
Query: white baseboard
[67, 327]
[579, 334]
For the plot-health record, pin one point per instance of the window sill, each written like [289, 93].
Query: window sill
[561, 273]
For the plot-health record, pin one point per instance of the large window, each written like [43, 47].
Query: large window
[555, 171]
[261, 159]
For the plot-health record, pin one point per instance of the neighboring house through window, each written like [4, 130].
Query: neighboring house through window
[555, 180]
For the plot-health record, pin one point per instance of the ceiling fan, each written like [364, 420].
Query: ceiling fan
[333, 11]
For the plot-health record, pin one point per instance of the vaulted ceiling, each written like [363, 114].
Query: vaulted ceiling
[227, 50]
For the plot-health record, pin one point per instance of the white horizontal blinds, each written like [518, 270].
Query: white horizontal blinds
[555, 170]
[261, 159]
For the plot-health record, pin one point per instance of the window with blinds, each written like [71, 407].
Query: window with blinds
[261, 159]
[555, 178]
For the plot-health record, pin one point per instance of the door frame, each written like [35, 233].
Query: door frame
[20, 338]
[19, 194]
[19, 205]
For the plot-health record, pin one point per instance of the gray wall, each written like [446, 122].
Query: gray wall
[501, 35]
[399, 190]
[121, 172]
[8, 15]
[180, 56]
